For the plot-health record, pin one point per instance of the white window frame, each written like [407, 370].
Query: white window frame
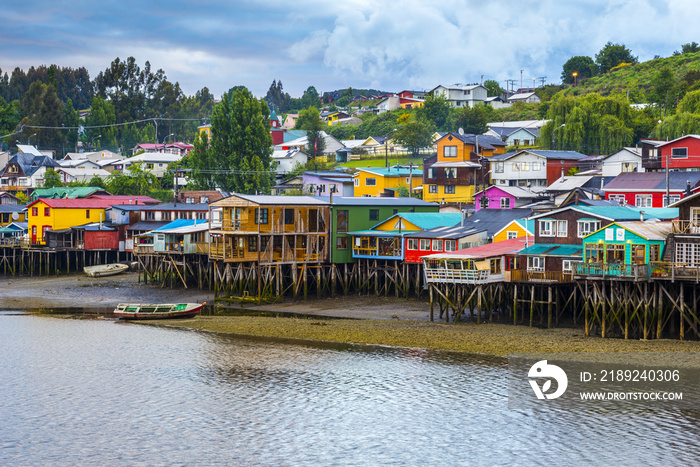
[499, 167]
[510, 234]
[505, 203]
[619, 198]
[547, 228]
[432, 188]
[412, 244]
[449, 189]
[562, 228]
[566, 265]
[437, 245]
[674, 199]
[591, 226]
[536, 165]
[535, 263]
[424, 244]
[679, 153]
[450, 245]
[357, 182]
[451, 153]
[643, 201]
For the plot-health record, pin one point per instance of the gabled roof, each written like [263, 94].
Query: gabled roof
[79, 203]
[668, 143]
[658, 231]
[28, 149]
[528, 225]
[423, 220]
[177, 207]
[391, 171]
[653, 181]
[484, 141]
[617, 213]
[272, 199]
[183, 226]
[375, 201]
[493, 220]
[447, 232]
[30, 163]
[516, 191]
[126, 199]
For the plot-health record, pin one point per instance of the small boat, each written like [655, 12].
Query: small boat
[157, 311]
[105, 269]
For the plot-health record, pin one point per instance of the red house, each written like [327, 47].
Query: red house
[648, 189]
[441, 240]
[680, 154]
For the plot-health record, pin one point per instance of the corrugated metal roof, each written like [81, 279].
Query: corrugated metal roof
[548, 249]
[429, 220]
[489, 250]
[273, 199]
[652, 181]
[376, 201]
[649, 230]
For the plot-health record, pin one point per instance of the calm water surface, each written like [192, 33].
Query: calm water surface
[84, 392]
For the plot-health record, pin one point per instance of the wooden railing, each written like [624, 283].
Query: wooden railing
[461, 276]
[673, 271]
[143, 248]
[635, 271]
[685, 227]
[517, 275]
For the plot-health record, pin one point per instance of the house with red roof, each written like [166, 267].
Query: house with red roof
[649, 189]
[58, 214]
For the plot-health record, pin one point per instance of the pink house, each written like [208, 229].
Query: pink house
[505, 197]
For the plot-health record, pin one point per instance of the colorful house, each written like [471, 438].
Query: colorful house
[386, 239]
[372, 181]
[648, 189]
[325, 182]
[532, 167]
[452, 174]
[354, 214]
[506, 197]
[517, 228]
[441, 240]
[624, 249]
[180, 237]
[10, 213]
[58, 214]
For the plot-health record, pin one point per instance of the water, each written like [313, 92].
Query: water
[100, 392]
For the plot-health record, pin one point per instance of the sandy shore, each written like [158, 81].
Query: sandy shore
[376, 320]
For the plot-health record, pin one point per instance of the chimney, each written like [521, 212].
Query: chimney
[687, 188]
[641, 216]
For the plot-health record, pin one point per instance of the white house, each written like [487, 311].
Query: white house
[155, 162]
[462, 96]
[78, 164]
[285, 160]
[94, 156]
[624, 160]
[534, 168]
[80, 174]
[525, 97]
[331, 144]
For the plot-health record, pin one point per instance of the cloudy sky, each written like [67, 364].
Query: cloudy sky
[386, 45]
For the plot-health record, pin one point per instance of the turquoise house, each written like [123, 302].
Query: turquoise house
[623, 248]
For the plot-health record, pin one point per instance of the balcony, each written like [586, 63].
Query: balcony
[144, 248]
[461, 276]
[675, 271]
[543, 277]
[611, 270]
[686, 227]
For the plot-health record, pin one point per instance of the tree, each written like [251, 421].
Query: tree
[471, 120]
[436, 110]
[612, 55]
[276, 98]
[308, 119]
[661, 86]
[493, 88]
[584, 66]
[310, 98]
[689, 48]
[313, 125]
[414, 135]
[240, 147]
[101, 115]
[52, 179]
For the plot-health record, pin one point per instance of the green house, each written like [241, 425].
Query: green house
[362, 213]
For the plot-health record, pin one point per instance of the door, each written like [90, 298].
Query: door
[34, 234]
[695, 220]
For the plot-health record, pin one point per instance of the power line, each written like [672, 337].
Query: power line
[37, 127]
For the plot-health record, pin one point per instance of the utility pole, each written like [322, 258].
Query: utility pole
[410, 180]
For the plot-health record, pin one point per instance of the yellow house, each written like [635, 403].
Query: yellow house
[204, 130]
[57, 214]
[453, 174]
[376, 181]
[516, 229]
[10, 213]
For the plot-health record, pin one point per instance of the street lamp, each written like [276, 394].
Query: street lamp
[386, 148]
[575, 73]
[30, 139]
[554, 131]
[165, 139]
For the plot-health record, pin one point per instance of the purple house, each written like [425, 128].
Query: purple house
[506, 197]
[325, 183]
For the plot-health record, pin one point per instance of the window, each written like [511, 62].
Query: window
[261, 215]
[371, 182]
[322, 188]
[524, 166]
[449, 151]
[356, 182]
[642, 201]
[505, 203]
[252, 243]
[566, 265]
[450, 245]
[432, 189]
[653, 153]
[587, 227]
[341, 243]
[201, 215]
[679, 153]
[424, 244]
[432, 173]
[536, 166]
[674, 199]
[341, 221]
[562, 229]
[35, 212]
[150, 216]
[619, 198]
[47, 212]
[412, 244]
[289, 216]
[450, 172]
[516, 166]
[449, 189]
[87, 214]
[688, 253]
[499, 167]
[165, 216]
[535, 263]
[437, 245]
[629, 167]
[204, 199]
[547, 228]
[374, 214]
[511, 234]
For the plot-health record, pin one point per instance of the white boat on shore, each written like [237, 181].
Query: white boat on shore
[105, 269]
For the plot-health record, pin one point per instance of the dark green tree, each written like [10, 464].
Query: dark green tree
[435, 110]
[471, 120]
[611, 55]
[584, 66]
[690, 48]
[240, 147]
[494, 89]
[414, 135]
[662, 88]
[310, 98]
[52, 179]
[101, 116]
[308, 119]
